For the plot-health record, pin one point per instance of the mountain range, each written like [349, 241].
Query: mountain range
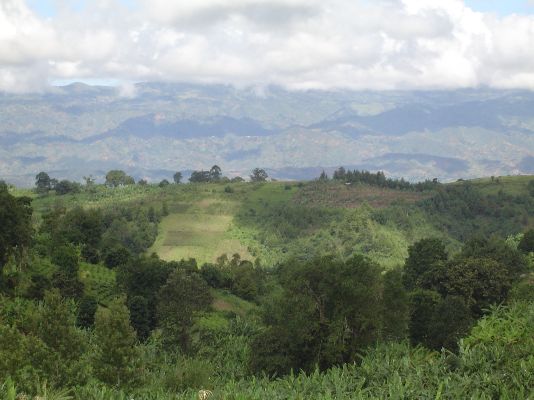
[152, 130]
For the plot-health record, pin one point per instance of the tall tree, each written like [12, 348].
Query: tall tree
[15, 226]
[43, 182]
[258, 175]
[396, 306]
[326, 312]
[215, 173]
[422, 257]
[115, 353]
[116, 178]
[180, 300]
[177, 177]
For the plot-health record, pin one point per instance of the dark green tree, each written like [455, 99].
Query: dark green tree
[15, 226]
[396, 311]
[423, 304]
[86, 312]
[64, 187]
[480, 282]
[39, 284]
[258, 175]
[450, 321]
[180, 300]
[326, 312]
[43, 183]
[177, 177]
[215, 174]
[140, 317]
[115, 355]
[496, 249]
[116, 178]
[526, 244]
[422, 256]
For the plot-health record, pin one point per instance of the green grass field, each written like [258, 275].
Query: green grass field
[202, 236]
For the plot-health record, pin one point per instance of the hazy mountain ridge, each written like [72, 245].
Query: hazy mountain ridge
[78, 129]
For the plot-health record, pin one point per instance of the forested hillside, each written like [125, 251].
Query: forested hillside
[344, 287]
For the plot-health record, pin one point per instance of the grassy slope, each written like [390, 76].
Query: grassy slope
[205, 221]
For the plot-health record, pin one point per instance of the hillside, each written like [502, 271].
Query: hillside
[275, 221]
[360, 286]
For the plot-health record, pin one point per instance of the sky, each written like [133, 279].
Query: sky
[296, 44]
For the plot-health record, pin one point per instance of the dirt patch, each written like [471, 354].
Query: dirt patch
[333, 194]
[222, 305]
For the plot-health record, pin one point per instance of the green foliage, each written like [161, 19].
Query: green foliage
[86, 312]
[15, 226]
[183, 296]
[258, 175]
[115, 357]
[327, 311]
[43, 183]
[422, 257]
[177, 177]
[115, 178]
[396, 306]
[64, 187]
[526, 244]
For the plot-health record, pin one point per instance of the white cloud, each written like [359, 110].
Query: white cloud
[379, 44]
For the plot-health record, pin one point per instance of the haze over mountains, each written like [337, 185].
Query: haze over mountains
[152, 130]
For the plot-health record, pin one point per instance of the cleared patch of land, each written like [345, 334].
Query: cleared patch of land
[340, 195]
[196, 235]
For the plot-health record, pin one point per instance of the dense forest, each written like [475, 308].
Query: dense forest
[359, 286]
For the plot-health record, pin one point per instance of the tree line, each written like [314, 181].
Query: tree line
[378, 179]
[115, 178]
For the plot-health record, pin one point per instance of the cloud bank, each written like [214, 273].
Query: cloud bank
[298, 44]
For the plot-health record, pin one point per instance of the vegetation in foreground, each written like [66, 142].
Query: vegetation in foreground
[428, 294]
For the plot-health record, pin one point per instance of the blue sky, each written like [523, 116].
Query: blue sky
[47, 8]
[503, 7]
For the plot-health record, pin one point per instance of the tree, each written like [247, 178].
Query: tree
[526, 244]
[199, 176]
[496, 249]
[115, 353]
[140, 317]
[116, 255]
[480, 282]
[144, 277]
[323, 177]
[66, 278]
[164, 183]
[326, 311]
[64, 187]
[422, 256]
[423, 304]
[86, 312]
[57, 329]
[450, 321]
[396, 306]
[183, 296]
[258, 175]
[15, 226]
[43, 182]
[215, 174]
[177, 177]
[116, 178]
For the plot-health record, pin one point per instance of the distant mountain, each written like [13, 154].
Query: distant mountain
[77, 130]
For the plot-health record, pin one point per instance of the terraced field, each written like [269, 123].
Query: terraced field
[202, 231]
